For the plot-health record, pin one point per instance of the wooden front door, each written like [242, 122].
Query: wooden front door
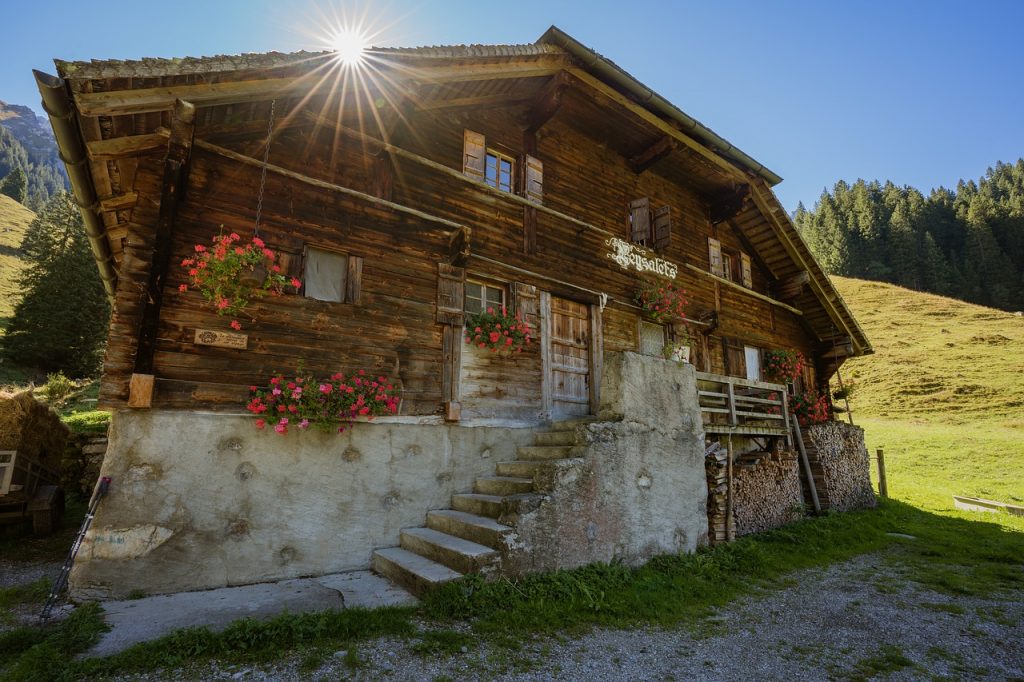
[569, 359]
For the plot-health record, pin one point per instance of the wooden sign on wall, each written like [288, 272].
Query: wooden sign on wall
[212, 337]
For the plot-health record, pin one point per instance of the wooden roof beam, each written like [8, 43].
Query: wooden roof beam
[145, 100]
[687, 142]
[123, 147]
[547, 102]
[654, 153]
[752, 251]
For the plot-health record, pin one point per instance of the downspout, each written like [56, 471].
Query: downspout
[611, 73]
[57, 106]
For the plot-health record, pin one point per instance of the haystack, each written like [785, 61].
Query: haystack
[31, 428]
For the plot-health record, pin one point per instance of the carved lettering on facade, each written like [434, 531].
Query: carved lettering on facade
[212, 337]
[633, 256]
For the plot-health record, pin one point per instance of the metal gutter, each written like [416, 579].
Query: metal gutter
[58, 107]
[608, 71]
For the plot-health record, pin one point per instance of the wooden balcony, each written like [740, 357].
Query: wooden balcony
[731, 405]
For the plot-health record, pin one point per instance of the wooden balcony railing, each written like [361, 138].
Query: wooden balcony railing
[741, 406]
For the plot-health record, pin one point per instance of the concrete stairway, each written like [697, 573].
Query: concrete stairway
[468, 538]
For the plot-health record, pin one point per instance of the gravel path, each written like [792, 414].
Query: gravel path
[849, 621]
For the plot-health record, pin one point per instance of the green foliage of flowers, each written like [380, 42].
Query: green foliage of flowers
[224, 274]
[327, 404]
[498, 331]
[663, 302]
[783, 366]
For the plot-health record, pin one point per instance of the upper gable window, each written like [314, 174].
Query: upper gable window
[498, 170]
[483, 163]
[651, 228]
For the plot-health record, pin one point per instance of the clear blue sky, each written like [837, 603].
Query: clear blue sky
[922, 93]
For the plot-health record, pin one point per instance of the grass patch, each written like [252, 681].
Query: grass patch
[886, 660]
[686, 588]
[35, 592]
[443, 642]
[43, 654]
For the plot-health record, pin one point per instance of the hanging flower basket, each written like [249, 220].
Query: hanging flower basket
[327, 404]
[783, 366]
[230, 274]
[498, 332]
[663, 302]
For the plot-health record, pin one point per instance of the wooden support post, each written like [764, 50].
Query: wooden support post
[785, 416]
[733, 419]
[807, 467]
[178, 153]
[883, 488]
[730, 525]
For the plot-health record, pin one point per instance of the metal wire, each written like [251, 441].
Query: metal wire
[263, 174]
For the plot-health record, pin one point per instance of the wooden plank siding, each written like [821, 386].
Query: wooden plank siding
[393, 326]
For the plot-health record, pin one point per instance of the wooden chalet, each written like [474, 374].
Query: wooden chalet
[429, 182]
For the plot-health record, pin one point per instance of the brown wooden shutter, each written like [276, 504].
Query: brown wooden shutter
[735, 358]
[474, 155]
[527, 304]
[662, 227]
[354, 282]
[533, 179]
[450, 293]
[640, 220]
[745, 271]
[715, 254]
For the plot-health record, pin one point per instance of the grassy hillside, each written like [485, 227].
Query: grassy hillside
[14, 220]
[943, 393]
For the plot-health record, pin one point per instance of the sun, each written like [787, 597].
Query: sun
[349, 46]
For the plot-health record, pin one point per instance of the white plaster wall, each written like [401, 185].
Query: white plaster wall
[204, 500]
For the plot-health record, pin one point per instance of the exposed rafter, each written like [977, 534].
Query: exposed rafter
[654, 153]
[547, 102]
[727, 203]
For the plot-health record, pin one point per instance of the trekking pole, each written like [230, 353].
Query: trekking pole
[98, 493]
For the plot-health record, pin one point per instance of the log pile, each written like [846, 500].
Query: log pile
[766, 491]
[716, 467]
[839, 460]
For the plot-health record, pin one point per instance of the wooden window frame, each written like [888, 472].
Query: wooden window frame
[351, 289]
[484, 284]
[498, 157]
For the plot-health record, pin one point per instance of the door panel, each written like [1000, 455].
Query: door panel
[570, 358]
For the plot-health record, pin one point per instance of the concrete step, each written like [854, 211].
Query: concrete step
[476, 503]
[456, 553]
[570, 424]
[542, 452]
[502, 485]
[479, 529]
[555, 437]
[520, 468]
[415, 573]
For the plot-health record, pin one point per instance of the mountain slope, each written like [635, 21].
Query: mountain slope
[943, 394]
[14, 220]
[936, 358]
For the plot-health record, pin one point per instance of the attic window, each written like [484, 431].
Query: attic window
[498, 170]
[651, 228]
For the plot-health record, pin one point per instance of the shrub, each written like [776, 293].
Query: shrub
[58, 388]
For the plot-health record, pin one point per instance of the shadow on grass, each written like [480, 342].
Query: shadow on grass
[948, 554]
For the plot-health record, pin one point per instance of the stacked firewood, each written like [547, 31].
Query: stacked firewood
[766, 491]
[716, 467]
[839, 460]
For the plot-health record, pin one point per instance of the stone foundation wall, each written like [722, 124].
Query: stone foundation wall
[204, 500]
[767, 494]
[840, 460]
[636, 488]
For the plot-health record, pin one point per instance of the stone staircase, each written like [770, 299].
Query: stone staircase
[469, 537]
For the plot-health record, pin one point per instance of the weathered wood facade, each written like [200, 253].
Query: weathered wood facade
[385, 168]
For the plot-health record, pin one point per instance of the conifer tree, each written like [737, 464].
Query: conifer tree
[61, 321]
[15, 185]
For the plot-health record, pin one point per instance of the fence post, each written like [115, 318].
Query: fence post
[883, 489]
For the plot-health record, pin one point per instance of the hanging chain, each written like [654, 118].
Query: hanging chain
[263, 175]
